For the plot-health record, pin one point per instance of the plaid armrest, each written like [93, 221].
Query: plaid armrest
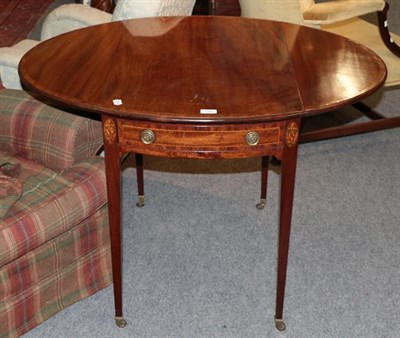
[51, 203]
[35, 131]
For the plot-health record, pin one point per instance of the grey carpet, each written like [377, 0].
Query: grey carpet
[200, 259]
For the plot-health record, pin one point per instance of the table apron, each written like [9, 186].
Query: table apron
[201, 141]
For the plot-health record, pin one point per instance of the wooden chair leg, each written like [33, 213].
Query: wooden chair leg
[384, 31]
[103, 5]
[139, 179]
[264, 182]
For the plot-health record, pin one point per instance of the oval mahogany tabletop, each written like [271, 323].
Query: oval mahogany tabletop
[202, 69]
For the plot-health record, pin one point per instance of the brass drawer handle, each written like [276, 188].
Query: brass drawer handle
[252, 138]
[147, 136]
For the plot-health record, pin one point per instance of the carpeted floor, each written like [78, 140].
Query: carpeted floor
[200, 259]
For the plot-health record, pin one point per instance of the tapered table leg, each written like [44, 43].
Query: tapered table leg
[113, 173]
[289, 159]
[139, 180]
[264, 182]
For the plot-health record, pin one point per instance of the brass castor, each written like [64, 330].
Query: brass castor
[280, 325]
[121, 322]
[262, 204]
[140, 202]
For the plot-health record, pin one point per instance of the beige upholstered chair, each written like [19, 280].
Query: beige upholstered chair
[340, 17]
[74, 16]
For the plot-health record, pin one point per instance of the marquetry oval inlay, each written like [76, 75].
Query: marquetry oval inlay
[292, 134]
[109, 130]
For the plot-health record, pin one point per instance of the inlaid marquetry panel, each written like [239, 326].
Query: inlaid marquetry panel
[200, 141]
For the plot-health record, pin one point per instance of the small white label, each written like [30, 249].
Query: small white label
[117, 102]
[208, 111]
[385, 24]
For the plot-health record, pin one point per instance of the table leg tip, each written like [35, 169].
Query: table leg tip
[280, 325]
[262, 204]
[120, 322]
[140, 202]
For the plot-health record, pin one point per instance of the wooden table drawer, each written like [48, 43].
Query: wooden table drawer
[198, 141]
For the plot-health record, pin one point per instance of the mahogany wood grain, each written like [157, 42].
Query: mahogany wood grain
[167, 69]
[289, 160]
[139, 174]
[329, 81]
[264, 181]
[113, 169]
[199, 141]
[160, 74]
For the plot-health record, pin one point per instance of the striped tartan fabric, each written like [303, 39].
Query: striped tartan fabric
[71, 267]
[54, 240]
[43, 134]
[50, 204]
[10, 192]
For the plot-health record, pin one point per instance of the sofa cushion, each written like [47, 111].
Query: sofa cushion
[9, 60]
[69, 17]
[128, 9]
[51, 203]
[32, 130]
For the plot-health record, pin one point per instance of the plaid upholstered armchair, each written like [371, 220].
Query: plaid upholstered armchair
[54, 236]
